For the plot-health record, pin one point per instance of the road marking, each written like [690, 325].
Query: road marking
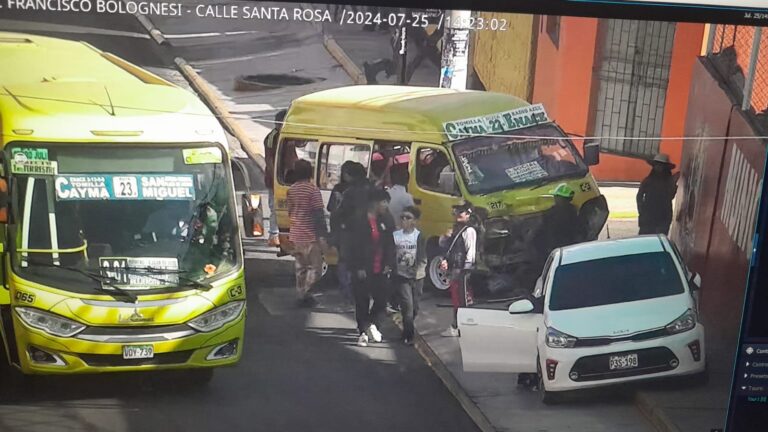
[14, 25]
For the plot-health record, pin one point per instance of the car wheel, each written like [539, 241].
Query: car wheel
[546, 397]
[438, 279]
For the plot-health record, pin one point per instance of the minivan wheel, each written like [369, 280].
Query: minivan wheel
[438, 279]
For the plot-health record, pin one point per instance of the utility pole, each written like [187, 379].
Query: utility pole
[402, 44]
[453, 65]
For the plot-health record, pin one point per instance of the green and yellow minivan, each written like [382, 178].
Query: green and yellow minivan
[496, 151]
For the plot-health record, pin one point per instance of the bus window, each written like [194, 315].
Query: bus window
[386, 156]
[292, 150]
[332, 156]
[431, 162]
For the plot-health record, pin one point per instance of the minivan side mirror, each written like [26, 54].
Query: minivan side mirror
[695, 280]
[448, 183]
[521, 307]
[591, 153]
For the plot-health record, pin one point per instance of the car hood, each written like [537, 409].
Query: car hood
[172, 310]
[621, 319]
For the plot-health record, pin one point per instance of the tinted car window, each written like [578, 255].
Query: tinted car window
[614, 280]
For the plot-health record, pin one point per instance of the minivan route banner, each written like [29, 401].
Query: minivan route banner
[496, 123]
[125, 187]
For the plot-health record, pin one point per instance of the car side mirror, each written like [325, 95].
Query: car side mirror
[538, 286]
[252, 215]
[523, 306]
[592, 153]
[695, 280]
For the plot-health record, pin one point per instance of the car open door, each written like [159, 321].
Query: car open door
[495, 340]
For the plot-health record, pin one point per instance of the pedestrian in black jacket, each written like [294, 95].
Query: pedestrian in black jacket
[348, 176]
[371, 264]
[654, 198]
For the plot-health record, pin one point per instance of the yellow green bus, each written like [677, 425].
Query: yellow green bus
[496, 151]
[120, 239]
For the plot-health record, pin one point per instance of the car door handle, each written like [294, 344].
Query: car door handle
[470, 322]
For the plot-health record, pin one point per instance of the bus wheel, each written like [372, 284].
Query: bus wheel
[438, 279]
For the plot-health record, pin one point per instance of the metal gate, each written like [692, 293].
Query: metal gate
[633, 74]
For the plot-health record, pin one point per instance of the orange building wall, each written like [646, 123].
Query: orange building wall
[564, 84]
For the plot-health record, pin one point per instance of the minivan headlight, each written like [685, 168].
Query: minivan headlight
[558, 339]
[49, 323]
[216, 318]
[685, 322]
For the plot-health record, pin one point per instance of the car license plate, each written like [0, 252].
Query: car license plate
[628, 361]
[138, 351]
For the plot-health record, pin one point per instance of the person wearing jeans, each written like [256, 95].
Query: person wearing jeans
[371, 265]
[411, 252]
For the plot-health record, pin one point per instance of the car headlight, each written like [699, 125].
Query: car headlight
[558, 339]
[216, 318]
[49, 323]
[685, 322]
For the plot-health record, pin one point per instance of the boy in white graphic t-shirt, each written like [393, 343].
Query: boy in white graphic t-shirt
[411, 249]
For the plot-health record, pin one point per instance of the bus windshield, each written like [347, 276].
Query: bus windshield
[152, 219]
[493, 163]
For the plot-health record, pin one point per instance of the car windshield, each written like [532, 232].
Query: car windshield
[159, 219]
[614, 280]
[493, 163]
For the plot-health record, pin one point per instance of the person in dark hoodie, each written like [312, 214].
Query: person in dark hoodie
[655, 195]
[371, 264]
[334, 204]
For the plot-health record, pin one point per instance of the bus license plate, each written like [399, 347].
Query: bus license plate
[138, 351]
[623, 362]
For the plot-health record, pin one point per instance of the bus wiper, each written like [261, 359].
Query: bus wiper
[153, 273]
[101, 279]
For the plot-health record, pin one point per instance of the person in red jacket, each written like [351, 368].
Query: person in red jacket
[270, 150]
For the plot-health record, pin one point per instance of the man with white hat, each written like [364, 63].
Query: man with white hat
[654, 198]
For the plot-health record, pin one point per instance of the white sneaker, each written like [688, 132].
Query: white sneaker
[373, 333]
[450, 332]
[362, 341]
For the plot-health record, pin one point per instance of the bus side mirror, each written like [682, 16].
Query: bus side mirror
[252, 215]
[3, 201]
[592, 153]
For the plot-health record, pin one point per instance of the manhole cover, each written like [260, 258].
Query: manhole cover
[271, 81]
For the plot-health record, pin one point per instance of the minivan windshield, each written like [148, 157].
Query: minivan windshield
[614, 280]
[159, 219]
[493, 163]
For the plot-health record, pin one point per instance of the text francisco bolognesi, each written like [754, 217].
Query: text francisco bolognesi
[202, 10]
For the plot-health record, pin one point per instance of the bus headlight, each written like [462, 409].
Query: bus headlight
[216, 318]
[49, 323]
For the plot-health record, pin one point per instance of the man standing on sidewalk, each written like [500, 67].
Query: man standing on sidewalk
[270, 149]
[307, 231]
[655, 195]
[411, 247]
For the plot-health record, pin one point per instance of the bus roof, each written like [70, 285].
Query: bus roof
[55, 90]
[389, 112]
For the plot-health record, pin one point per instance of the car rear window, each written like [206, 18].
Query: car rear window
[614, 280]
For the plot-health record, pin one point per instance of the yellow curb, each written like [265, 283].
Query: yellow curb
[341, 57]
[623, 215]
[451, 383]
[217, 106]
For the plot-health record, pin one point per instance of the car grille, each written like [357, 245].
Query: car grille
[110, 360]
[650, 360]
[602, 341]
[132, 334]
